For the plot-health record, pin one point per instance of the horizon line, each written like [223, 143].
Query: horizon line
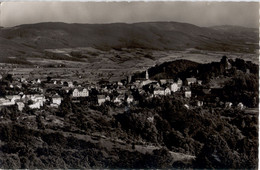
[128, 23]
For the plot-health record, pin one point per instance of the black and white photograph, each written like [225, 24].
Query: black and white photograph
[129, 85]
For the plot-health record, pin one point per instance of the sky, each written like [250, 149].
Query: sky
[198, 13]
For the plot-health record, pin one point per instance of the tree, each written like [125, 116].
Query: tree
[9, 78]
[49, 79]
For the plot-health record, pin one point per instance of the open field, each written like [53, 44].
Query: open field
[113, 65]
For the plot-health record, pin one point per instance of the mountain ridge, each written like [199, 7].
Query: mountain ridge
[146, 35]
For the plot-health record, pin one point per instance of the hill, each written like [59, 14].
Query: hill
[169, 70]
[33, 39]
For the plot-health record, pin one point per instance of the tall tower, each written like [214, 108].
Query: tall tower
[129, 78]
[146, 75]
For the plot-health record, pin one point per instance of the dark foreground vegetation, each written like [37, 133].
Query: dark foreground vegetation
[86, 138]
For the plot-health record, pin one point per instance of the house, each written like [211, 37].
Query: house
[101, 99]
[119, 83]
[187, 94]
[167, 91]
[35, 105]
[145, 82]
[13, 98]
[20, 105]
[80, 92]
[228, 105]
[23, 80]
[38, 98]
[130, 99]
[190, 81]
[159, 91]
[6, 102]
[70, 84]
[108, 98]
[163, 81]
[179, 83]
[38, 81]
[240, 106]
[174, 87]
[119, 99]
[56, 99]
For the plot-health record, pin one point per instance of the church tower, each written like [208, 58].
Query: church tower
[146, 75]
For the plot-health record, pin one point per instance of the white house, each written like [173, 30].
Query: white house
[38, 98]
[108, 98]
[174, 87]
[20, 106]
[70, 84]
[159, 91]
[56, 99]
[38, 81]
[187, 94]
[101, 99]
[119, 83]
[6, 102]
[191, 80]
[79, 92]
[167, 91]
[130, 99]
[35, 105]
[240, 106]
[228, 105]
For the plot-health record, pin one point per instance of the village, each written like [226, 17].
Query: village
[38, 93]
